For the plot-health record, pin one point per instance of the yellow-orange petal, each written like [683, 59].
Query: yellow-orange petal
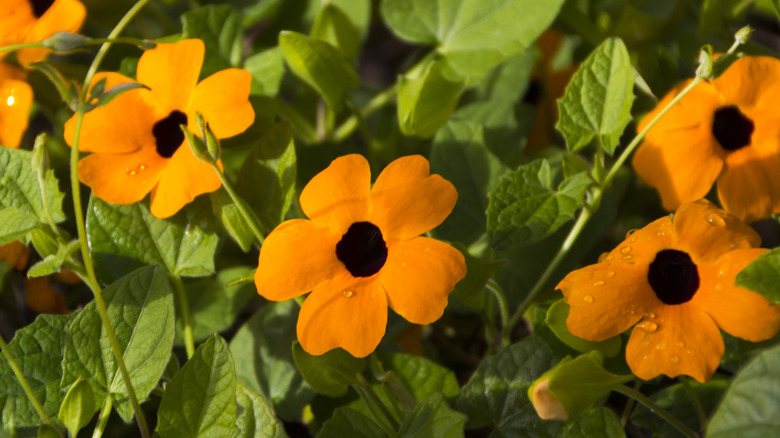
[124, 125]
[16, 18]
[16, 98]
[737, 311]
[706, 232]
[337, 197]
[606, 299]
[15, 254]
[295, 257]
[171, 71]
[183, 178]
[749, 186]
[407, 200]
[680, 340]
[751, 81]
[42, 299]
[223, 101]
[345, 312]
[122, 178]
[418, 276]
[62, 15]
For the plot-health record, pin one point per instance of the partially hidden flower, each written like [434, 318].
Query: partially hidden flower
[42, 298]
[25, 21]
[361, 251]
[15, 101]
[136, 143]
[673, 281]
[15, 255]
[728, 130]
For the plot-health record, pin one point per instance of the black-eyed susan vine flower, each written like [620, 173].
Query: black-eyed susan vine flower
[361, 251]
[15, 101]
[136, 142]
[673, 281]
[24, 21]
[728, 130]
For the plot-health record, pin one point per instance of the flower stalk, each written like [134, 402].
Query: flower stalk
[650, 404]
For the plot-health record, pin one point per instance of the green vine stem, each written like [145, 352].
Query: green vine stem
[374, 404]
[361, 122]
[629, 406]
[105, 412]
[184, 311]
[503, 307]
[649, 404]
[75, 189]
[686, 383]
[23, 381]
[240, 205]
[348, 127]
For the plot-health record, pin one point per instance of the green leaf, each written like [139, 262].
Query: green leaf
[460, 156]
[105, 97]
[267, 70]
[333, 26]
[347, 422]
[421, 376]
[140, 308]
[762, 275]
[219, 26]
[271, 165]
[16, 224]
[600, 422]
[231, 219]
[183, 244]
[556, 320]
[433, 418]
[320, 65]
[19, 186]
[426, 102]
[53, 262]
[200, 401]
[597, 102]
[471, 290]
[255, 416]
[47, 431]
[525, 208]
[506, 125]
[78, 407]
[473, 35]
[37, 350]
[264, 363]
[331, 373]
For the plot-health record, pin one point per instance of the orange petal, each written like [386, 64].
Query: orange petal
[418, 276]
[15, 102]
[171, 71]
[337, 197]
[16, 19]
[42, 299]
[15, 254]
[296, 257]
[122, 178]
[606, 299]
[680, 340]
[223, 101]
[738, 311]
[750, 81]
[707, 232]
[749, 187]
[407, 200]
[345, 312]
[124, 125]
[62, 15]
[183, 178]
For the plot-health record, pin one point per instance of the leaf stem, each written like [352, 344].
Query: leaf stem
[23, 381]
[240, 205]
[370, 399]
[105, 412]
[649, 404]
[686, 383]
[503, 308]
[348, 127]
[184, 311]
[361, 122]
[629, 406]
[14, 47]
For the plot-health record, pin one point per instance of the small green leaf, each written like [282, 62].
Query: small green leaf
[267, 70]
[65, 88]
[426, 102]
[600, 422]
[471, 290]
[421, 376]
[347, 422]
[78, 407]
[53, 262]
[597, 102]
[525, 208]
[47, 431]
[333, 26]
[255, 416]
[231, 219]
[16, 224]
[19, 186]
[219, 27]
[320, 65]
[201, 398]
[762, 275]
[331, 373]
[104, 97]
[556, 320]
[433, 418]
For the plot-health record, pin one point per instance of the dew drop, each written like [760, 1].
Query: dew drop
[625, 250]
[599, 283]
[630, 232]
[130, 172]
[627, 257]
[10, 101]
[718, 287]
[645, 357]
[648, 326]
[651, 315]
[609, 274]
[679, 344]
[142, 167]
[723, 270]
[603, 257]
[588, 299]
[674, 359]
[660, 347]
[348, 293]
[632, 312]
[716, 220]
[689, 351]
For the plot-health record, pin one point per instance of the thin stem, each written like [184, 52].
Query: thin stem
[14, 47]
[184, 312]
[361, 122]
[686, 382]
[105, 412]
[348, 127]
[629, 405]
[503, 308]
[240, 205]
[367, 393]
[649, 404]
[23, 381]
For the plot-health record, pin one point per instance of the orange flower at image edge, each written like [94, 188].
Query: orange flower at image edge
[675, 278]
[727, 130]
[361, 251]
[15, 101]
[136, 141]
[25, 21]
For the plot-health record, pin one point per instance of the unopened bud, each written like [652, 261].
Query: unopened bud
[547, 406]
[64, 42]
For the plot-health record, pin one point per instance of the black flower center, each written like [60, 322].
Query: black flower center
[40, 7]
[168, 136]
[731, 128]
[362, 249]
[673, 276]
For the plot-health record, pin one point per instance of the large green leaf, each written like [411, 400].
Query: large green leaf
[331, 373]
[264, 363]
[255, 416]
[125, 237]
[219, 27]
[433, 418]
[525, 207]
[420, 376]
[19, 186]
[140, 308]
[333, 26]
[597, 102]
[763, 275]
[200, 401]
[347, 422]
[425, 102]
[37, 350]
[16, 224]
[267, 69]
[601, 422]
[473, 35]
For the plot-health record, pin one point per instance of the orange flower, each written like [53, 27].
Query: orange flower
[361, 251]
[726, 130]
[24, 21]
[15, 102]
[137, 143]
[15, 255]
[675, 278]
[42, 299]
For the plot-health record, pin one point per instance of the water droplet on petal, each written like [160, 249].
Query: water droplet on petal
[723, 270]
[609, 274]
[630, 232]
[627, 257]
[674, 359]
[715, 220]
[588, 299]
[130, 172]
[599, 283]
[661, 346]
[10, 101]
[648, 326]
[689, 351]
[348, 293]
[679, 344]
[625, 250]
[142, 167]
[718, 287]
[603, 256]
